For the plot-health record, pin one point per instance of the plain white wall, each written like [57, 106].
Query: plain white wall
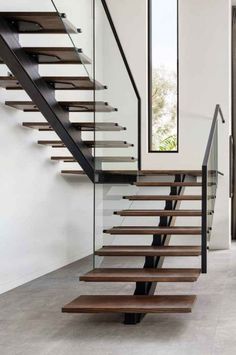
[46, 219]
[43, 213]
[205, 80]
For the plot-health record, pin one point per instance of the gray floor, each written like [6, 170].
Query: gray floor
[31, 322]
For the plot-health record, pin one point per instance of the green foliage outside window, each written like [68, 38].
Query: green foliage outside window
[164, 110]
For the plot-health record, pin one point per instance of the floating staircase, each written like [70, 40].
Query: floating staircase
[23, 63]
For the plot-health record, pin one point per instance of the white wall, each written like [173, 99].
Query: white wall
[205, 79]
[46, 219]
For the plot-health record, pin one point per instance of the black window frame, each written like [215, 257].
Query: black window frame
[150, 150]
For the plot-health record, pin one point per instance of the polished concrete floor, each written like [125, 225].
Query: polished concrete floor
[31, 322]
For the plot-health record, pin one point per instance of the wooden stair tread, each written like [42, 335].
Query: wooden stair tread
[156, 172]
[141, 275]
[137, 172]
[71, 106]
[80, 173]
[163, 184]
[56, 55]
[131, 304]
[70, 159]
[91, 144]
[80, 126]
[149, 251]
[159, 213]
[164, 198]
[72, 172]
[146, 230]
[58, 83]
[39, 22]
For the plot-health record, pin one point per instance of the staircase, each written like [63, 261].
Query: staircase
[158, 194]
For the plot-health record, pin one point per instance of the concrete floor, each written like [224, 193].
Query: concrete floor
[31, 322]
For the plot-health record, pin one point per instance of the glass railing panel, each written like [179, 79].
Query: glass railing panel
[111, 71]
[117, 145]
[210, 174]
[80, 14]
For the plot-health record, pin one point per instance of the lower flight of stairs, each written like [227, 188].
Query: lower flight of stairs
[153, 272]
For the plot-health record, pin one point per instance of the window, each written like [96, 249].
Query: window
[163, 75]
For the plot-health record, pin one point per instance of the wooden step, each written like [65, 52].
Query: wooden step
[57, 82]
[71, 106]
[80, 126]
[70, 159]
[39, 22]
[79, 173]
[135, 173]
[167, 184]
[56, 55]
[73, 172]
[159, 213]
[156, 172]
[141, 275]
[131, 304]
[149, 251]
[52, 143]
[146, 230]
[91, 144]
[163, 198]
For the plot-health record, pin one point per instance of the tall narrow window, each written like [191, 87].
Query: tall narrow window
[163, 75]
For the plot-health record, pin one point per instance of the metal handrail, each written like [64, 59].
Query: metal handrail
[218, 112]
[205, 228]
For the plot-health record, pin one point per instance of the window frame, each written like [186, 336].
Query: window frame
[149, 12]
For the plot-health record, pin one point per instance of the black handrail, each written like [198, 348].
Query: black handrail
[205, 213]
[118, 42]
[218, 112]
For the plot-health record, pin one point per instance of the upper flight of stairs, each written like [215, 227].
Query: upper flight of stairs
[143, 301]
[52, 23]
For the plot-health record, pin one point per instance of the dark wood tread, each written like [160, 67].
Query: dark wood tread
[167, 184]
[73, 172]
[39, 22]
[70, 159]
[135, 172]
[141, 275]
[131, 304]
[71, 106]
[159, 213]
[91, 144]
[144, 230]
[157, 172]
[164, 198]
[57, 82]
[149, 251]
[80, 126]
[56, 55]
[79, 173]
